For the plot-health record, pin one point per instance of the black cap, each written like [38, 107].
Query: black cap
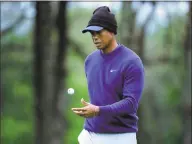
[102, 18]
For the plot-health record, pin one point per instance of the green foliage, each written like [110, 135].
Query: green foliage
[13, 130]
[76, 79]
[17, 90]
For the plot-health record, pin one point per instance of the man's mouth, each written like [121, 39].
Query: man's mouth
[97, 44]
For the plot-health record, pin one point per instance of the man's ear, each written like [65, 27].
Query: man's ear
[112, 34]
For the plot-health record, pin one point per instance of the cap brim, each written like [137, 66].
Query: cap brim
[92, 28]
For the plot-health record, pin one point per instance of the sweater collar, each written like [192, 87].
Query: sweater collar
[111, 54]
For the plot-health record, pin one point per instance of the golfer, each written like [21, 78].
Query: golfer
[115, 77]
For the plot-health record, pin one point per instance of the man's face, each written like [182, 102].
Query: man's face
[101, 38]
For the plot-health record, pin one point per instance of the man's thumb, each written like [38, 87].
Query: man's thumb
[83, 102]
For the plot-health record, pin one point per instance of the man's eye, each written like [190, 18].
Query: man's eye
[95, 33]
[98, 32]
[92, 33]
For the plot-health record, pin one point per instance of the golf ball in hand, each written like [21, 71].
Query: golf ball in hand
[70, 91]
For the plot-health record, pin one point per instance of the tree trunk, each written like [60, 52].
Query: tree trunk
[43, 75]
[127, 25]
[141, 38]
[144, 135]
[48, 75]
[59, 99]
[1, 97]
[187, 88]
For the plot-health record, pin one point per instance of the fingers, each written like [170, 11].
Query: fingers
[78, 109]
[85, 111]
[80, 113]
[84, 102]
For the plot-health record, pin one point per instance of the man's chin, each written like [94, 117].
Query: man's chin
[99, 48]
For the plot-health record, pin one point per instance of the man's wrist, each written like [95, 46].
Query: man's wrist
[97, 109]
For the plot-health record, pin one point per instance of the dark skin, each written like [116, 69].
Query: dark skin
[106, 42]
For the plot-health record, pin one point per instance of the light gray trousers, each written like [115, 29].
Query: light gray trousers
[87, 137]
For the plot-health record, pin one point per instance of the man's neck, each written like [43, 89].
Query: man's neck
[111, 47]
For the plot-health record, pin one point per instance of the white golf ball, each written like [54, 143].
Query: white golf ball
[70, 91]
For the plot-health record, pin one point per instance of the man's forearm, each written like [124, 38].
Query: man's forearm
[125, 106]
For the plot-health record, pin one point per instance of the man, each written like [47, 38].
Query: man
[115, 76]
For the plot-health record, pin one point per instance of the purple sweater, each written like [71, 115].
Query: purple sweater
[115, 84]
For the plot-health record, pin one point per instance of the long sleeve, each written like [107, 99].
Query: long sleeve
[132, 91]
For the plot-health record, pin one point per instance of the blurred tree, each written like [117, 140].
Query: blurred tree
[11, 27]
[128, 24]
[131, 35]
[1, 97]
[134, 38]
[141, 36]
[49, 74]
[187, 88]
[15, 77]
[140, 44]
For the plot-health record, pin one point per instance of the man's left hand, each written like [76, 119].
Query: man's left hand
[89, 110]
